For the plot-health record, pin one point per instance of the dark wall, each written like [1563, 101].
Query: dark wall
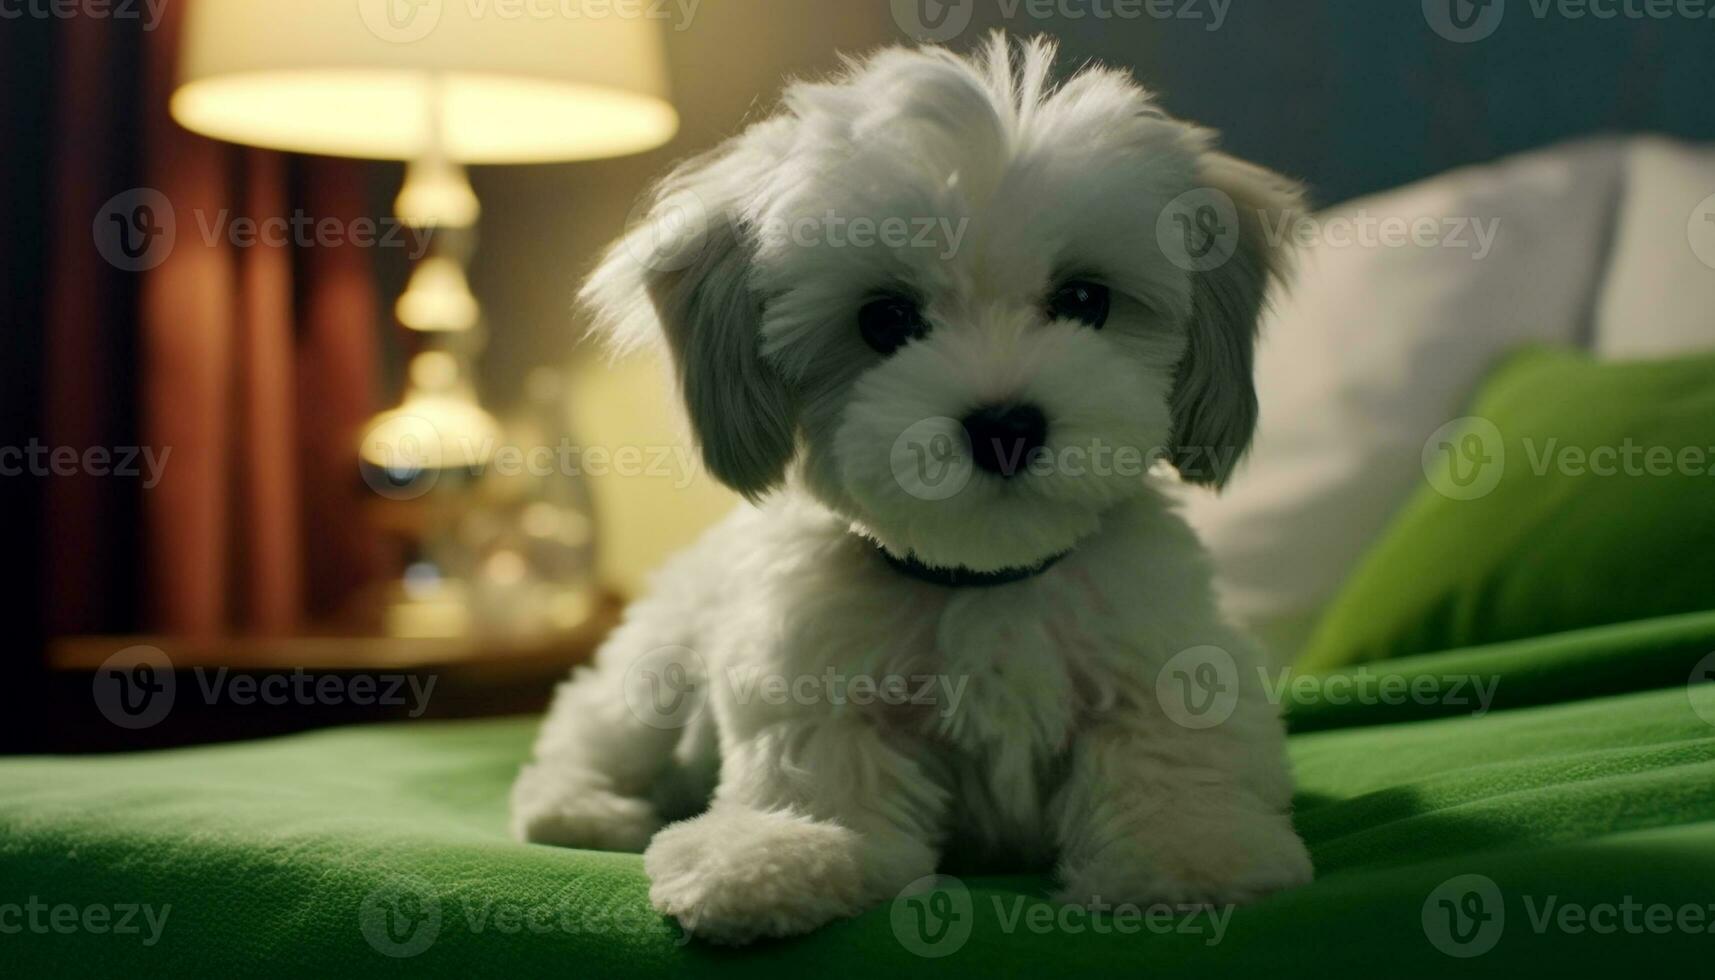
[26, 52]
[1355, 96]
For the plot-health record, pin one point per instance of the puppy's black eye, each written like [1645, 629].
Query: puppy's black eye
[890, 323]
[1081, 300]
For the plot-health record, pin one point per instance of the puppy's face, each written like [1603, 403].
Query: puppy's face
[968, 310]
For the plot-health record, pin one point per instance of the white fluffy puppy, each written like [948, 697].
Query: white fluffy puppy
[935, 318]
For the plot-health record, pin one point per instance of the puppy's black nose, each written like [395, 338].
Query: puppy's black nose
[1005, 437]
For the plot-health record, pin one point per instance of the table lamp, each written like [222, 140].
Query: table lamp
[438, 84]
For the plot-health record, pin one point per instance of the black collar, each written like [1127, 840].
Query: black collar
[961, 578]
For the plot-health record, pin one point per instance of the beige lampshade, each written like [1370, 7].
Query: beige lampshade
[504, 81]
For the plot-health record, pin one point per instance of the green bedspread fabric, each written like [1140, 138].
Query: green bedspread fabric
[1580, 789]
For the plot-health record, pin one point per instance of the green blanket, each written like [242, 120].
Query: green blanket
[1538, 806]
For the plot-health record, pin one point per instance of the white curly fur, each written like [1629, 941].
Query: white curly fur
[1037, 727]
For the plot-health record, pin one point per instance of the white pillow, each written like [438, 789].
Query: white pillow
[1377, 345]
[1658, 298]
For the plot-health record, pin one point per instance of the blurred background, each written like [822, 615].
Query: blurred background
[263, 526]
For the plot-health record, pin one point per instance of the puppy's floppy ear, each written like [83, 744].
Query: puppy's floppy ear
[683, 275]
[1214, 400]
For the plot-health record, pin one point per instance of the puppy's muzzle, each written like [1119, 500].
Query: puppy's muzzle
[1005, 438]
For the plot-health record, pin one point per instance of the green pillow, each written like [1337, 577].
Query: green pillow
[1575, 494]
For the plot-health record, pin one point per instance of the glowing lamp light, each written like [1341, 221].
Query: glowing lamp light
[438, 299]
[391, 79]
[436, 195]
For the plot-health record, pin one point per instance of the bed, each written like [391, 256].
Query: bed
[1563, 821]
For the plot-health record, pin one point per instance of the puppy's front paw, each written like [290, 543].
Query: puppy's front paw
[1228, 860]
[574, 810]
[735, 874]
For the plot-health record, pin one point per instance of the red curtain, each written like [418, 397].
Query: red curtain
[250, 367]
